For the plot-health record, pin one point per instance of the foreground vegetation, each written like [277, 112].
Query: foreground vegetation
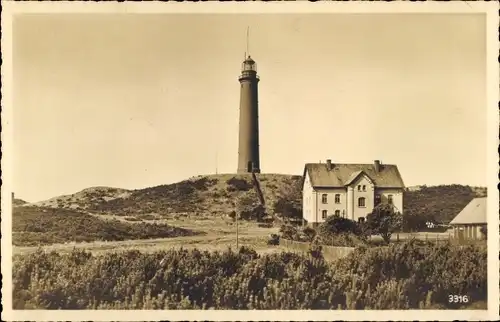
[396, 277]
[42, 226]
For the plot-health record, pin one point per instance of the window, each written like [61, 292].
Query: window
[359, 187]
[324, 198]
[337, 198]
[324, 213]
[361, 202]
[337, 213]
[361, 219]
[364, 188]
[377, 199]
[389, 199]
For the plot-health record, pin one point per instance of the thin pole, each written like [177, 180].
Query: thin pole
[237, 232]
[216, 162]
[248, 33]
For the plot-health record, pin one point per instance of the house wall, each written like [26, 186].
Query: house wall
[330, 205]
[308, 200]
[357, 211]
[397, 196]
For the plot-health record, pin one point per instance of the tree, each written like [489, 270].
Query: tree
[384, 221]
[289, 203]
[309, 233]
[415, 222]
[248, 207]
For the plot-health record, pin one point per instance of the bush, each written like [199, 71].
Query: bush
[340, 240]
[289, 232]
[309, 233]
[235, 184]
[334, 225]
[274, 240]
[403, 276]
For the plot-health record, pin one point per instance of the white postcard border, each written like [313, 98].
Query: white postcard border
[61, 7]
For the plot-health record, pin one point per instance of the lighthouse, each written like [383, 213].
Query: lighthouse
[248, 150]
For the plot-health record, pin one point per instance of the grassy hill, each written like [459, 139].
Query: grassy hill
[84, 199]
[36, 225]
[18, 202]
[218, 195]
[440, 203]
[213, 195]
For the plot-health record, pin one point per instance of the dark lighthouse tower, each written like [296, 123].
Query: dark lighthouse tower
[248, 151]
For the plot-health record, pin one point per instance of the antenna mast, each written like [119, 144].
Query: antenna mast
[216, 162]
[248, 51]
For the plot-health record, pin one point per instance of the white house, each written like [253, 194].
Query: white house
[349, 190]
[468, 223]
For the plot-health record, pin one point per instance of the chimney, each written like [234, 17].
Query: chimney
[376, 164]
[12, 196]
[329, 164]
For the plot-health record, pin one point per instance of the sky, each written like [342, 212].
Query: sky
[136, 100]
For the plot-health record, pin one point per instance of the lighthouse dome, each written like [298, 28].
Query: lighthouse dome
[249, 65]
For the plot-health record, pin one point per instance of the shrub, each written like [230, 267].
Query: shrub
[203, 183]
[338, 225]
[289, 232]
[340, 240]
[403, 276]
[235, 184]
[274, 240]
[309, 233]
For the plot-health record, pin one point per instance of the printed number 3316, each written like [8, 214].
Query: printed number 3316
[458, 298]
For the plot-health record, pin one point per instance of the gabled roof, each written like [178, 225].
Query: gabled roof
[355, 175]
[342, 174]
[473, 213]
